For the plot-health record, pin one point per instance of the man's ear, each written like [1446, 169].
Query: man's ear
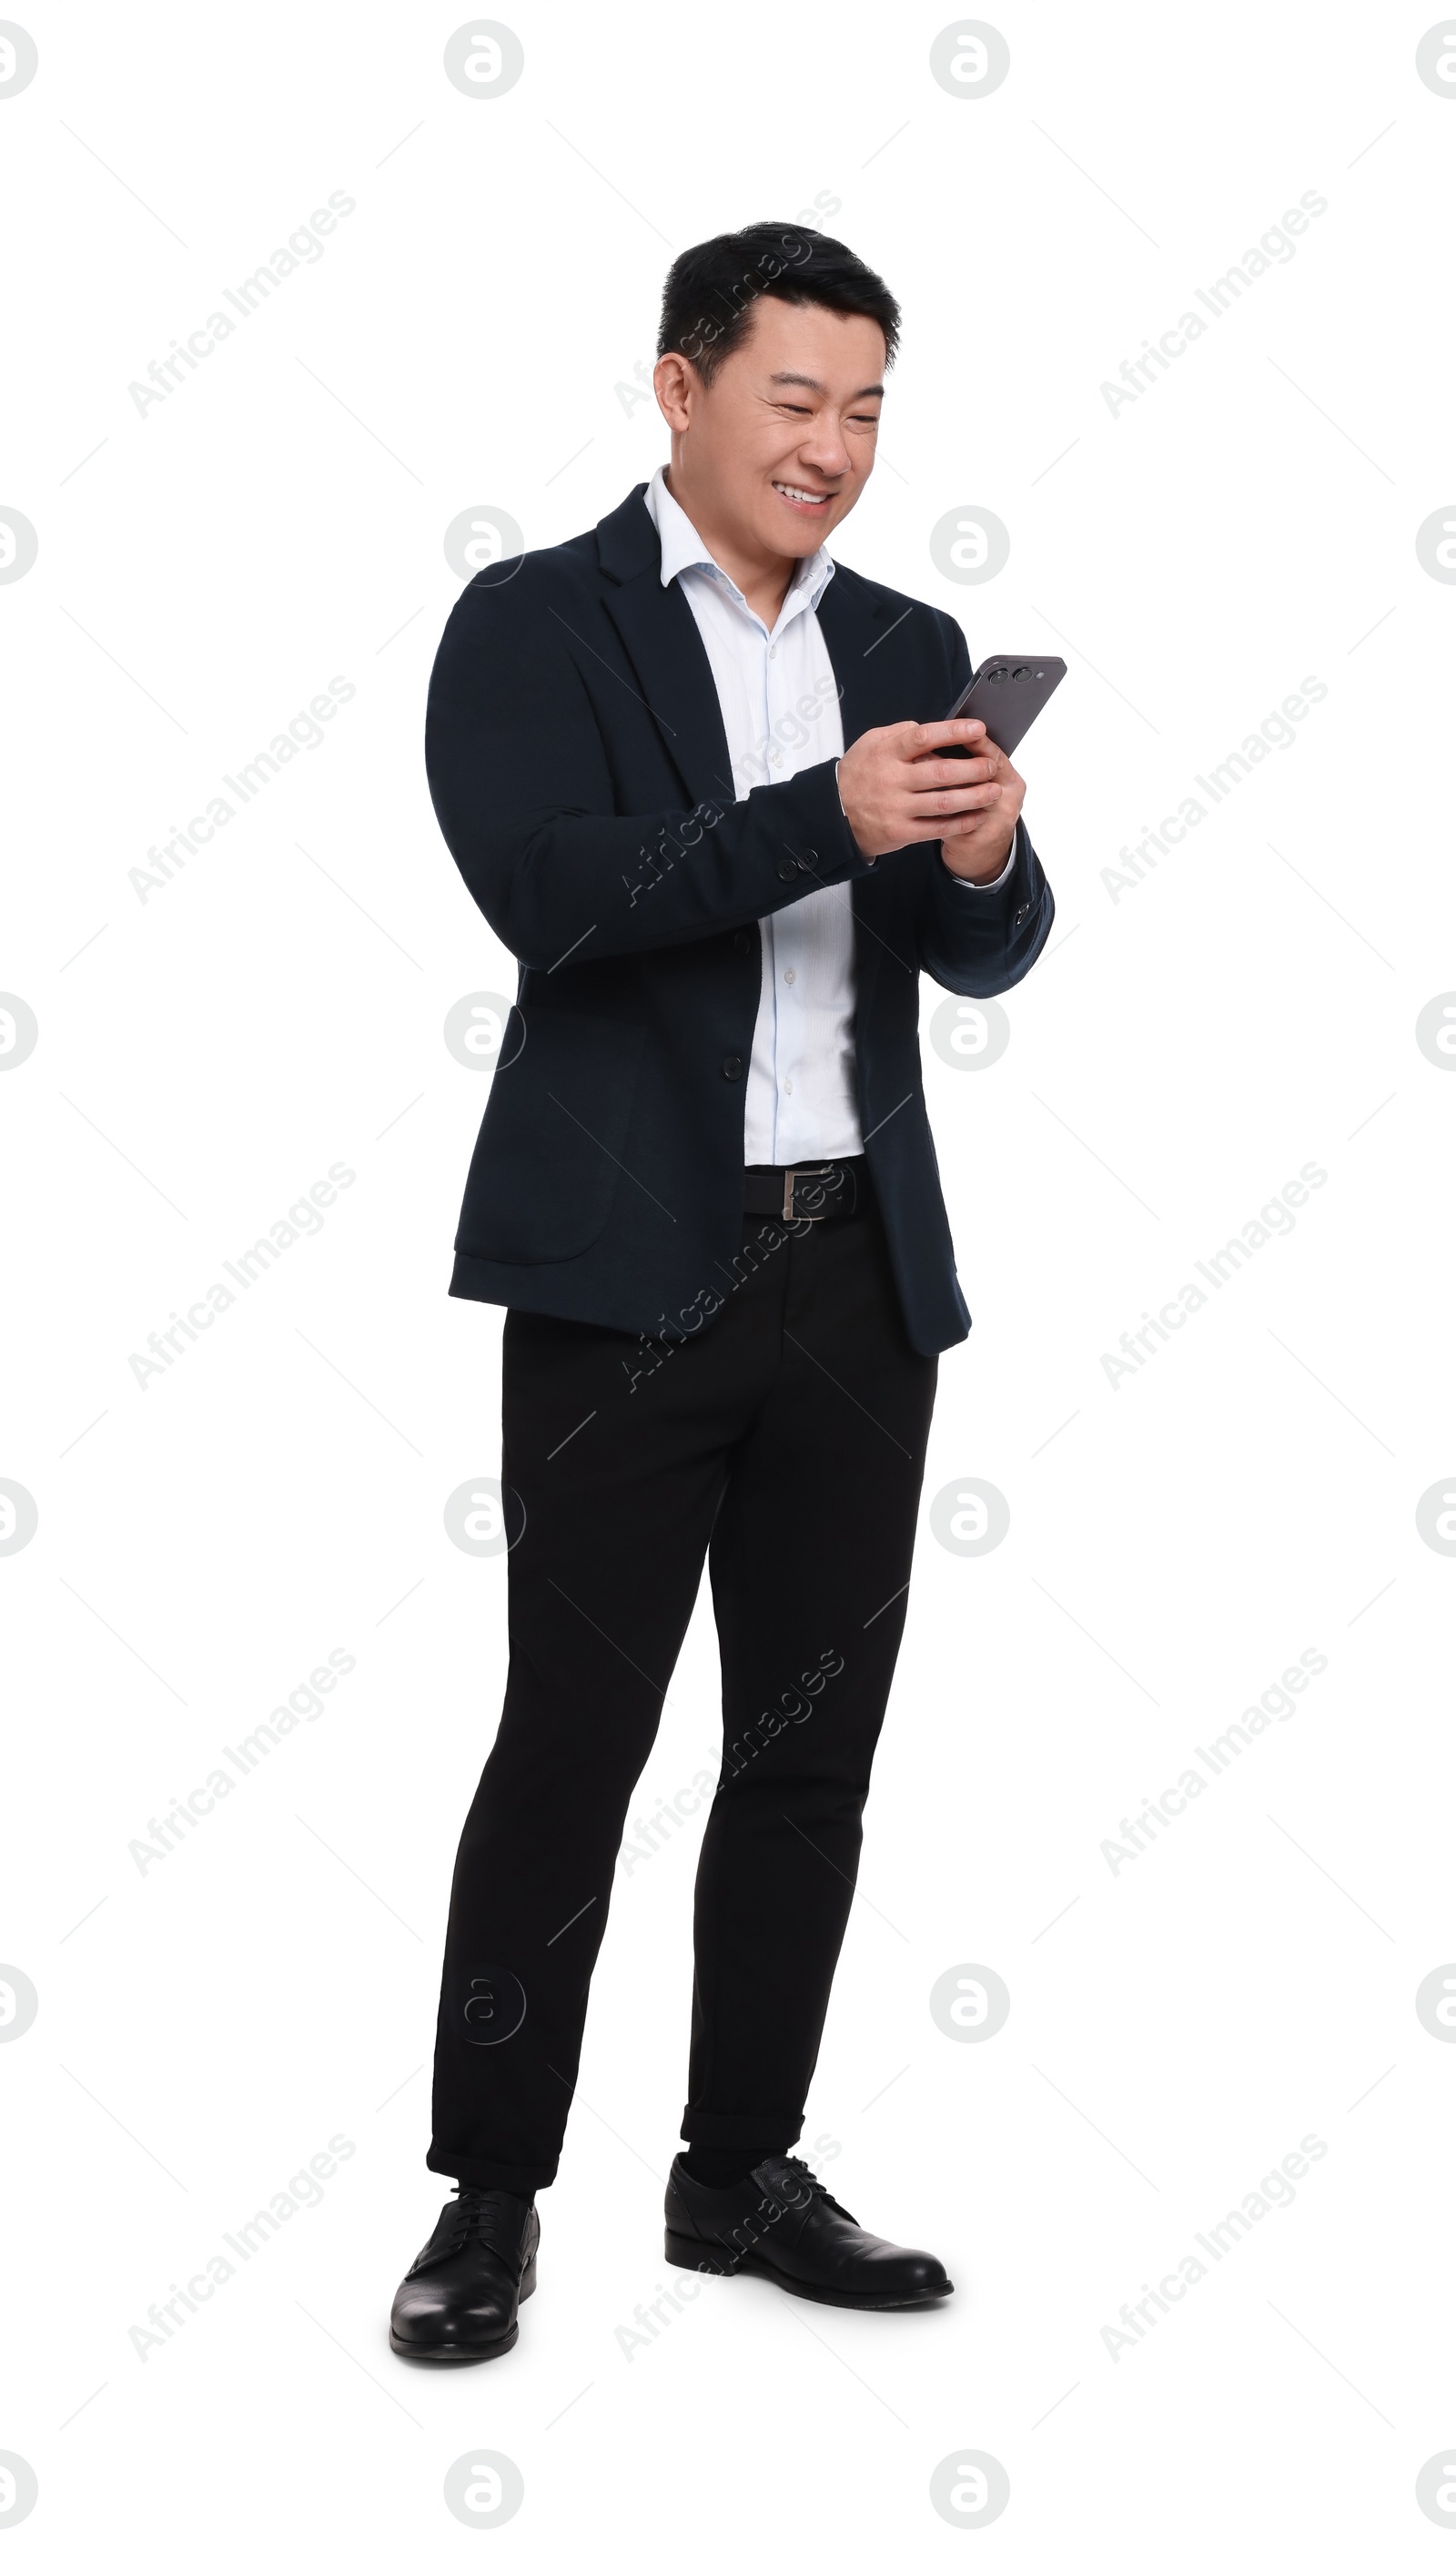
[677, 384]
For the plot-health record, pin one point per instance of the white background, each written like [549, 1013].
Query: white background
[1179, 1052]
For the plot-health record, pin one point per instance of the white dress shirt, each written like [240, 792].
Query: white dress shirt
[779, 698]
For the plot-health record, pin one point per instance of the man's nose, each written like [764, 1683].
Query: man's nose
[823, 449]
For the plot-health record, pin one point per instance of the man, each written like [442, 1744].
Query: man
[682, 763]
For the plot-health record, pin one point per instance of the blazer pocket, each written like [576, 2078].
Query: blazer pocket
[546, 1162]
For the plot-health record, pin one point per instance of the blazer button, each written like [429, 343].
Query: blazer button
[1020, 916]
[741, 943]
[733, 1066]
[787, 868]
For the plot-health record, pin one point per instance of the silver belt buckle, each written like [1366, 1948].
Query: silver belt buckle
[814, 1177]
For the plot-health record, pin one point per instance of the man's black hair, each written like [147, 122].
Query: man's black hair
[709, 292]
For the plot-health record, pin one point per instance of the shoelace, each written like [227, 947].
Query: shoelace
[802, 2170]
[481, 2211]
[475, 2213]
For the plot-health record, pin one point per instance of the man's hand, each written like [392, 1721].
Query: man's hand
[894, 791]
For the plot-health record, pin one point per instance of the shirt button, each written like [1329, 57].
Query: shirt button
[789, 1087]
[773, 650]
[788, 974]
[733, 1066]
[775, 756]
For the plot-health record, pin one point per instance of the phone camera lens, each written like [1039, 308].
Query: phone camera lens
[997, 673]
[1022, 673]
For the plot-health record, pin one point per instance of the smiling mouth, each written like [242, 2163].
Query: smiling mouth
[801, 498]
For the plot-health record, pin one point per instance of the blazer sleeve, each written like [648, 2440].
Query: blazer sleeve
[980, 944]
[521, 787]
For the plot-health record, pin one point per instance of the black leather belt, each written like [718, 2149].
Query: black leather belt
[819, 1193]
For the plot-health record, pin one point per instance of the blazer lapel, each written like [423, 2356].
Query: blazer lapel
[856, 627]
[656, 626]
[856, 630]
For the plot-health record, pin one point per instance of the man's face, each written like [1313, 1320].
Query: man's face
[779, 448]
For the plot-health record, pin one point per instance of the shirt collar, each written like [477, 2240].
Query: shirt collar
[683, 549]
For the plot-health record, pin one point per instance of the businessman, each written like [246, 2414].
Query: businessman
[684, 764]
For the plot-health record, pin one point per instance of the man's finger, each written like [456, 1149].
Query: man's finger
[942, 802]
[930, 774]
[963, 826]
[916, 740]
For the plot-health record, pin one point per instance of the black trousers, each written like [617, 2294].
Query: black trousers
[786, 1440]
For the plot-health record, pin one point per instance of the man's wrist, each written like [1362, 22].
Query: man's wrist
[984, 884]
[839, 791]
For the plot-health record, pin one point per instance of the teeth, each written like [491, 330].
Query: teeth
[798, 495]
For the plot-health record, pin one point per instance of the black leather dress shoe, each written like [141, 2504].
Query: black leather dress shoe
[457, 2303]
[780, 2222]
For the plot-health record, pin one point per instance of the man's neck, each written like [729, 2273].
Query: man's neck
[762, 578]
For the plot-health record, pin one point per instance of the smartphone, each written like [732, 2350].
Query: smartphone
[1007, 692]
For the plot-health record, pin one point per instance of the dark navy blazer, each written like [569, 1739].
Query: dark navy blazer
[579, 769]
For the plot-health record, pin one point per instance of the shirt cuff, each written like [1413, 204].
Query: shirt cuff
[986, 885]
